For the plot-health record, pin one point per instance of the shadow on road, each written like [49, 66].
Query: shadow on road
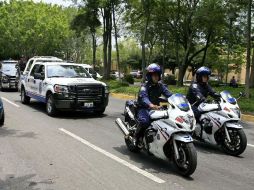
[208, 148]
[22, 183]
[151, 163]
[9, 90]
[41, 107]
[4, 132]
[211, 149]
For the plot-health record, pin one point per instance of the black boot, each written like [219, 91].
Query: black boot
[137, 135]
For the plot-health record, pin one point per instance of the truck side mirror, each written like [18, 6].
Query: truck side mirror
[94, 76]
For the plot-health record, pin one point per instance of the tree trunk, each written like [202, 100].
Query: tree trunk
[182, 65]
[164, 55]
[206, 48]
[247, 79]
[109, 47]
[252, 70]
[143, 60]
[94, 50]
[116, 40]
[105, 44]
[143, 42]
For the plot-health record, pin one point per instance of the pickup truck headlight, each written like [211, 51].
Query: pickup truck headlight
[61, 89]
[106, 89]
[5, 78]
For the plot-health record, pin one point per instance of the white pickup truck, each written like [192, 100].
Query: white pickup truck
[33, 60]
[64, 86]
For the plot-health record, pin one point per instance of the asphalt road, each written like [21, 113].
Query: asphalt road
[77, 151]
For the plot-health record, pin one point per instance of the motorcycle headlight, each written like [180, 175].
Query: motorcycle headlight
[236, 111]
[61, 89]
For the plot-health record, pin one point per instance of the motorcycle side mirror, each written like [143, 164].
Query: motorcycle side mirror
[242, 94]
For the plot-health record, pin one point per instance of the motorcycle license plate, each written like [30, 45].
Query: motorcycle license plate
[88, 105]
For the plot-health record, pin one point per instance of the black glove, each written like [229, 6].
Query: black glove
[216, 95]
[201, 98]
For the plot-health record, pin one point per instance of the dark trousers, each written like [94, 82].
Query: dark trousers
[196, 112]
[144, 122]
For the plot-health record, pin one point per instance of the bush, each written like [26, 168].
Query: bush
[215, 83]
[113, 84]
[170, 80]
[112, 77]
[129, 79]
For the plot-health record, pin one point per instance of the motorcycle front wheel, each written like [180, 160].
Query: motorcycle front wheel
[186, 164]
[238, 142]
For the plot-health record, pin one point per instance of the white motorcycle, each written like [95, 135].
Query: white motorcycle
[219, 124]
[169, 135]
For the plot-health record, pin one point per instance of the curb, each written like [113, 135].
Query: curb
[122, 96]
[247, 118]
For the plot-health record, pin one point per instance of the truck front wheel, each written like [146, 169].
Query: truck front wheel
[24, 98]
[50, 106]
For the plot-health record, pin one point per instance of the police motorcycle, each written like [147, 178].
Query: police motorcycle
[169, 135]
[219, 124]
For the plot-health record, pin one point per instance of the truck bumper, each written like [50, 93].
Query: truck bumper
[79, 105]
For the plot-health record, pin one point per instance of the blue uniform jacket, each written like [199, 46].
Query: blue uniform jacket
[150, 93]
[201, 90]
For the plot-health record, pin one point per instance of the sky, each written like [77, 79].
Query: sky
[58, 2]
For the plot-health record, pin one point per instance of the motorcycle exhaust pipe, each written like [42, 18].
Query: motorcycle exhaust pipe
[122, 126]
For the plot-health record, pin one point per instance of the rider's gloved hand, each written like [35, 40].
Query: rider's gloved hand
[154, 107]
[201, 98]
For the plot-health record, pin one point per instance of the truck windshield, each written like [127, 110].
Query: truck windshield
[6, 67]
[67, 71]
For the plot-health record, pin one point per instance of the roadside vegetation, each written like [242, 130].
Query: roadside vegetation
[246, 105]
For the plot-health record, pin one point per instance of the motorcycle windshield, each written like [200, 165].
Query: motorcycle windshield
[180, 101]
[228, 97]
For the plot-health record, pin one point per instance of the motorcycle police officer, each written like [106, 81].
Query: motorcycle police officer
[148, 98]
[200, 89]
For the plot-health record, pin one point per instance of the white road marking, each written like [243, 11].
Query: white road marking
[10, 102]
[115, 158]
[251, 145]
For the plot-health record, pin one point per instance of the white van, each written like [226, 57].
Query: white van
[90, 70]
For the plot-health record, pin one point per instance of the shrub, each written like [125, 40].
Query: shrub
[215, 83]
[129, 79]
[170, 80]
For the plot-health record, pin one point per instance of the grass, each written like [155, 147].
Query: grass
[246, 105]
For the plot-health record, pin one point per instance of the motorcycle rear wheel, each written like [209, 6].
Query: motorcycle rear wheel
[238, 142]
[187, 163]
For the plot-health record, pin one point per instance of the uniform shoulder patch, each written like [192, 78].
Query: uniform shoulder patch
[143, 88]
[194, 85]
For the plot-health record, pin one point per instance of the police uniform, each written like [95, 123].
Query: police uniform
[149, 94]
[197, 92]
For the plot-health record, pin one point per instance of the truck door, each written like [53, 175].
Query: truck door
[40, 85]
[30, 81]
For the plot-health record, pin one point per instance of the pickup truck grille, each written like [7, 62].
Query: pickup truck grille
[12, 79]
[88, 92]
